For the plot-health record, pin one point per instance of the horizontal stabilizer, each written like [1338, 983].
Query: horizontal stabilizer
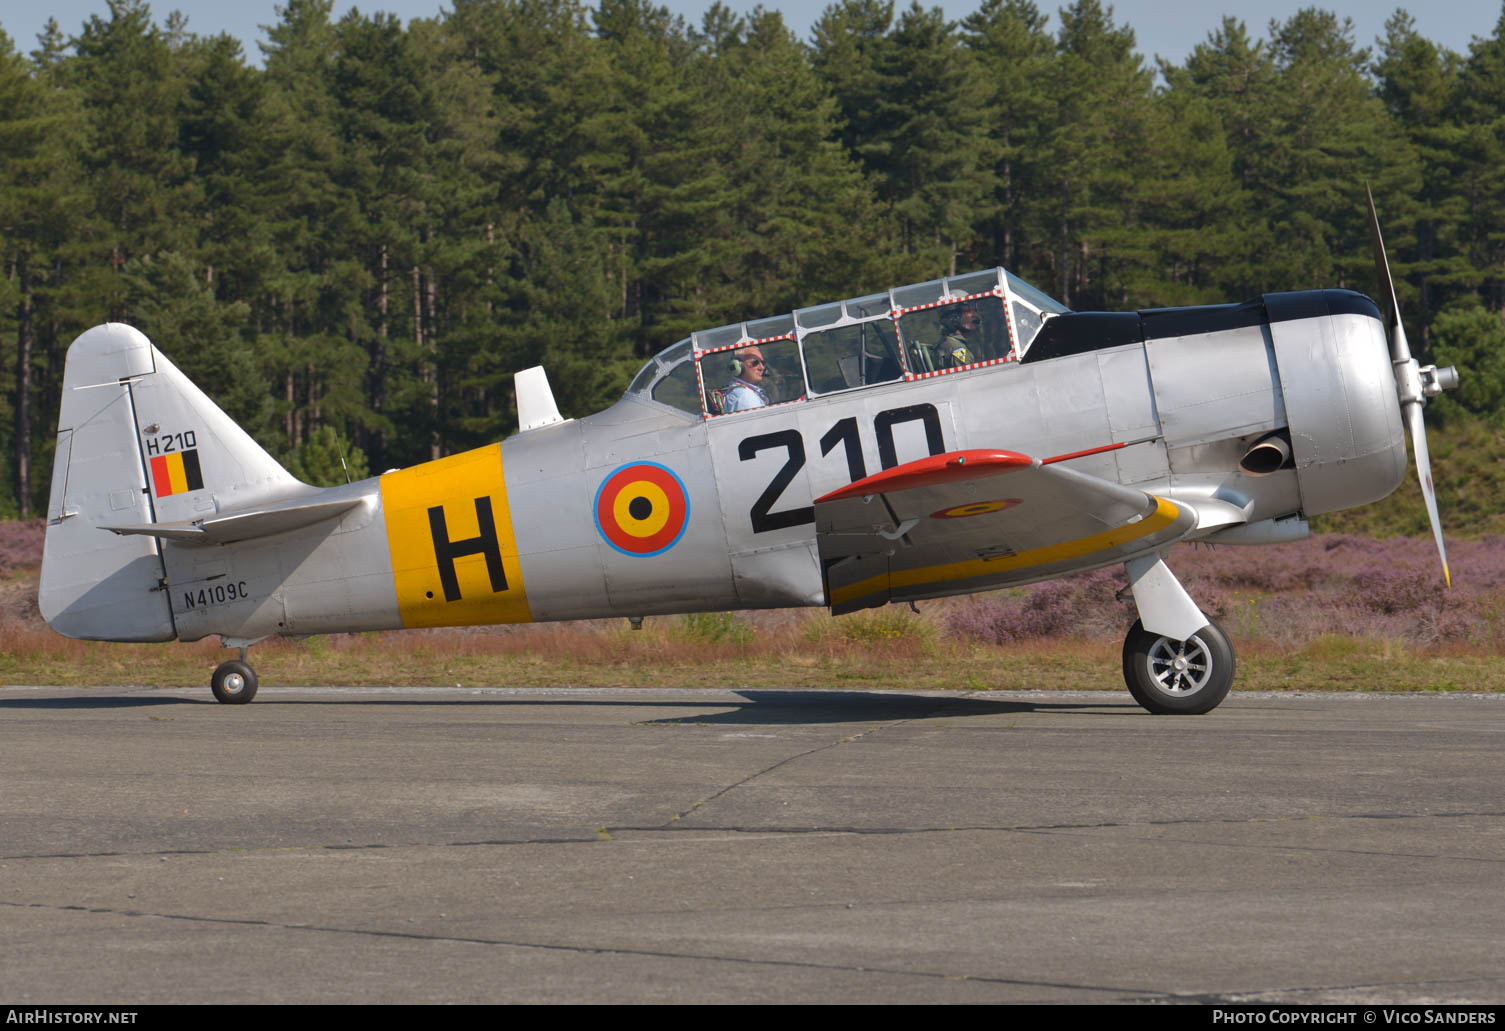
[227, 527]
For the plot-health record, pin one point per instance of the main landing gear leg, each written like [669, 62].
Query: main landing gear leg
[1165, 673]
[234, 682]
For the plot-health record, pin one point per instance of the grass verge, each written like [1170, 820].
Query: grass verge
[800, 654]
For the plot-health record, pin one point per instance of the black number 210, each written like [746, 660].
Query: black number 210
[843, 432]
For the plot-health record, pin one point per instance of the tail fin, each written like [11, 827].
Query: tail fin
[137, 443]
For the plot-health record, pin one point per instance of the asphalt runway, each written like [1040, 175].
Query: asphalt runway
[366, 845]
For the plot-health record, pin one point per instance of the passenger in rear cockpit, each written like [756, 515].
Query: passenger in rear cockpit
[959, 324]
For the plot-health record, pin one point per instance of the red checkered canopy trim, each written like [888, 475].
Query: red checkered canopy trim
[739, 345]
[1013, 356]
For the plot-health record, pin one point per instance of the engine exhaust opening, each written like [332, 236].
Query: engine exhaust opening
[1269, 453]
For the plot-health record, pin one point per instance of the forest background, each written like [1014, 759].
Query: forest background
[354, 247]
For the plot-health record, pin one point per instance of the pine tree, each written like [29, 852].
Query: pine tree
[546, 139]
[1472, 337]
[450, 285]
[24, 127]
[326, 460]
[312, 319]
[220, 129]
[1235, 77]
[1480, 114]
[849, 44]
[1099, 126]
[1015, 54]
[51, 263]
[1333, 135]
[799, 224]
[1419, 83]
[128, 82]
[168, 299]
[671, 183]
[938, 168]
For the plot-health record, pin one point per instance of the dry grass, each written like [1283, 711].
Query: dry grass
[884, 651]
[1334, 614]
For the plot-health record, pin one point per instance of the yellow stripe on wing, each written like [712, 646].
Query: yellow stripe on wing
[1165, 514]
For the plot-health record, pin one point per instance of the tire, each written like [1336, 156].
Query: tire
[233, 683]
[1185, 678]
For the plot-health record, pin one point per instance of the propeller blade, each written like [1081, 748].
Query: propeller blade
[1382, 268]
[1408, 383]
[1400, 349]
[1424, 474]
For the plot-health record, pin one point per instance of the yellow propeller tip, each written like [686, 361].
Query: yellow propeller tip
[1447, 577]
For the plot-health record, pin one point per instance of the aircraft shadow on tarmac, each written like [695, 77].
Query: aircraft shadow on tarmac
[803, 707]
[90, 702]
[759, 707]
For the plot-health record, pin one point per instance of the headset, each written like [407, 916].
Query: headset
[951, 317]
[736, 365]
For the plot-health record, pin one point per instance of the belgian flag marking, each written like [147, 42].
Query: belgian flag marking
[177, 473]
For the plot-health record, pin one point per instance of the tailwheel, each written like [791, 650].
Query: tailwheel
[233, 683]
[1170, 677]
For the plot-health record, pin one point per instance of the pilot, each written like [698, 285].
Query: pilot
[959, 324]
[745, 391]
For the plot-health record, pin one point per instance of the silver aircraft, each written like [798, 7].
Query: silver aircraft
[947, 437]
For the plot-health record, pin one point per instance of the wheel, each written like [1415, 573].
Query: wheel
[233, 683]
[1170, 677]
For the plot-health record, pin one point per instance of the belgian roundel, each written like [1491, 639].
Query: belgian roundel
[976, 508]
[642, 509]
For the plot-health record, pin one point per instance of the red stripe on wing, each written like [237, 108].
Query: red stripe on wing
[927, 472]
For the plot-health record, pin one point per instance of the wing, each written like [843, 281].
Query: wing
[975, 520]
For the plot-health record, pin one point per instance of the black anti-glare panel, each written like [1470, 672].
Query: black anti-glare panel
[1306, 304]
[1084, 331]
[1161, 323]
[1081, 331]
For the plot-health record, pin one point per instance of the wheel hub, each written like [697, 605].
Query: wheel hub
[234, 683]
[1180, 667]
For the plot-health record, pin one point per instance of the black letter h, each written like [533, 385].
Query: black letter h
[446, 551]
